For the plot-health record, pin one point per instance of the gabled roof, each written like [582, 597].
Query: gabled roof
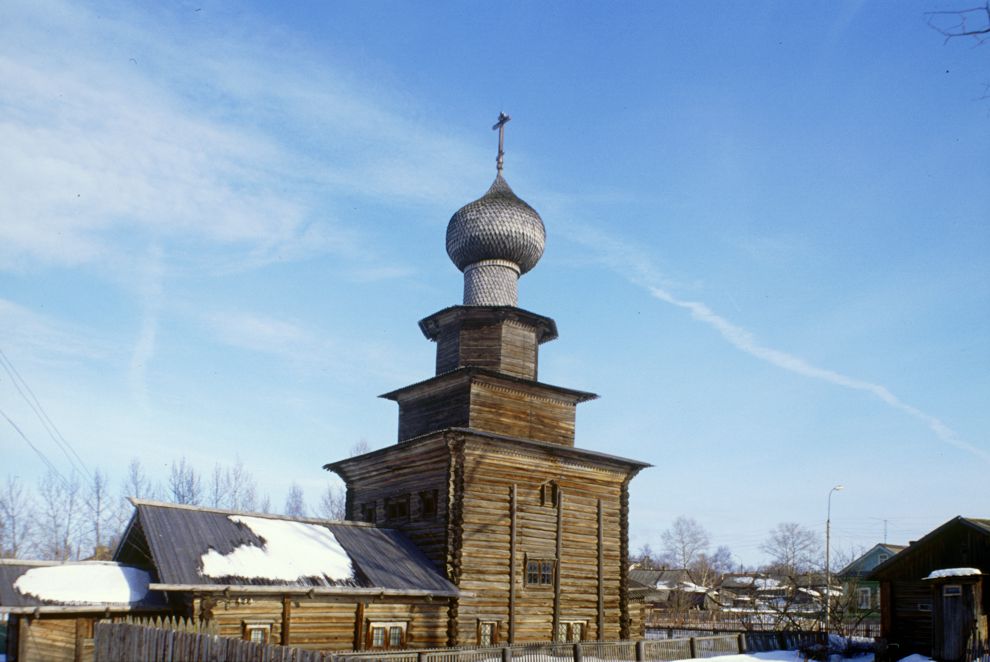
[45, 586]
[855, 567]
[978, 525]
[181, 540]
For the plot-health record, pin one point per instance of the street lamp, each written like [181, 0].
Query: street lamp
[828, 574]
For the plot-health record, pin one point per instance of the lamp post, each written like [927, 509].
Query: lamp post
[828, 574]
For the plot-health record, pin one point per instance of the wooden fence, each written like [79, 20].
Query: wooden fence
[114, 642]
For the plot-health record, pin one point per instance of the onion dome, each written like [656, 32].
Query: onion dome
[496, 226]
[494, 240]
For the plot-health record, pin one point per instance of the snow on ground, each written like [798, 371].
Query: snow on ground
[915, 658]
[291, 551]
[784, 656]
[953, 572]
[86, 583]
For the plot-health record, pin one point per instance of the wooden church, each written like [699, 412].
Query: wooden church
[485, 478]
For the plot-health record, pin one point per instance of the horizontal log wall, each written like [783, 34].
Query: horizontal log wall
[49, 639]
[406, 472]
[518, 411]
[489, 474]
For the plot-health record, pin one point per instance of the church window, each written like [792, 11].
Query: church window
[397, 507]
[549, 494]
[368, 512]
[487, 633]
[428, 504]
[570, 631]
[539, 572]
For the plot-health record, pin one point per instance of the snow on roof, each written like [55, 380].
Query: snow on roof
[291, 551]
[85, 583]
[953, 572]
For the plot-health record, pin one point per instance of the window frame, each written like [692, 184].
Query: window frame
[265, 627]
[569, 627]
[867, 593]
[543, 578]
[393, 505]
[494, 641]
[430, 497]
[387, 628]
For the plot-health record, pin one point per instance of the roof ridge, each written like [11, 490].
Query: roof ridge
[245, 513]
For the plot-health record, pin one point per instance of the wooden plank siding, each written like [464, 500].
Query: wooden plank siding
[490, 474]
[50, 639]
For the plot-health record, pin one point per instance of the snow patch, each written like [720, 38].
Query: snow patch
[291, 551]
[953, 572]
[85, 583]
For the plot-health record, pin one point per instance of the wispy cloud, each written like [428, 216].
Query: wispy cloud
[113, 133]
[46, 339]
[152, 293]
[638, 268]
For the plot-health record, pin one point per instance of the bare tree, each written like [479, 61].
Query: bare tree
[184, 483]
[232, 487]
[295, 505]
[58, 525]
[16, 515]
[972, 22]
[102, 516]
[646, 558]
[360, 447]
[265, 506]
[137, 484]
[793, 549]
[684, 542]
[332, 503]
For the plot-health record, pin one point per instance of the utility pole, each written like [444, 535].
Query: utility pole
[828, 574]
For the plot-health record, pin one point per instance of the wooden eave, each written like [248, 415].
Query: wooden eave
[467, 374]
[981, 526]
[83, 609]
[569, 452]
[290, 589]
[431, 326]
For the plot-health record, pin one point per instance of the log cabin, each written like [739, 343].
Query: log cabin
[934, 596]
[485, 477]
[51, 607]
[305, 583]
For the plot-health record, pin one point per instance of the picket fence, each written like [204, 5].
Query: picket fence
[186, 641]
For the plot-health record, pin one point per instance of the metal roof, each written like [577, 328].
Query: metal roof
[179, 536]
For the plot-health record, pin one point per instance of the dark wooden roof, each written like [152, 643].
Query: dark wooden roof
[917, 553]
[576, 454]
[178, 537]
[466, 373]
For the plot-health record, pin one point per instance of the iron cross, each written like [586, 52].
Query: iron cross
[503, 119]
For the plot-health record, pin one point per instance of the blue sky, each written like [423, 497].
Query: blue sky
[767, 239]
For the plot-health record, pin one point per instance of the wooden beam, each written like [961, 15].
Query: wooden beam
[601, 572]
[80, 636]
[512, 564]
[559, 563]
[359, 627]
[286, 619]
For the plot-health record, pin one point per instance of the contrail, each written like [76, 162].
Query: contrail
[639, 270]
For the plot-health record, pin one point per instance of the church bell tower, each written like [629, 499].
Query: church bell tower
[485, 478]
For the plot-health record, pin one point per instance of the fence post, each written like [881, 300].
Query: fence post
[506, 654]
[577, 653]
[421, 657]
[694, 650]
[742, 642]
[640, 650]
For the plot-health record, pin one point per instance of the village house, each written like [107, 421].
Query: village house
[862, 595]
[50, 607]
[934, 599]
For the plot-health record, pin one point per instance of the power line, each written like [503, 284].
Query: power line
[40, 454]
[42, 415]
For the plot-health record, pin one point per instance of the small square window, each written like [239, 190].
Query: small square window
[397, 508]
[259, 633]
[368, 512]
[386, 635]
[952, 590]
[428, 504]
[487, 633]
[539, 572]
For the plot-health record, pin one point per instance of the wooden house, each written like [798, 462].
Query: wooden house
[934, 596]
[485, 478]
[298, 582]
[862, 595]
[51, 607]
